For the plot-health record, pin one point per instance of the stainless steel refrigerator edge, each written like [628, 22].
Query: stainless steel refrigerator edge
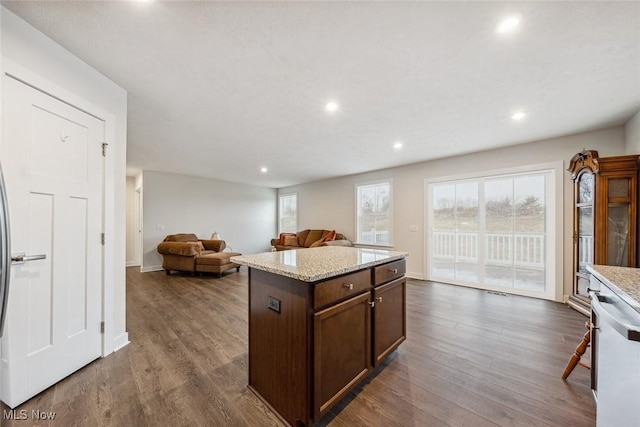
[5, 262]
[5, 253]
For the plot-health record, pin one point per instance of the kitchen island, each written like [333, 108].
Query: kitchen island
[623, 281]
[319, 320]
[615, 344]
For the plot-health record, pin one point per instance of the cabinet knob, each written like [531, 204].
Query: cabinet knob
[372, 303]
[349, 286]
[379, 299]
[394, 270]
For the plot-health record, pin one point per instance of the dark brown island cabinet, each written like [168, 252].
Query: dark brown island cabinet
[315, 331]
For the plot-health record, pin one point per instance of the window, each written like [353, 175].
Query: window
[494, 232]
[288, 213]
[373, 207]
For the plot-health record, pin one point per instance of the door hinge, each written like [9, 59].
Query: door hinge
[102, 327]
[104, 149]
[102, 239]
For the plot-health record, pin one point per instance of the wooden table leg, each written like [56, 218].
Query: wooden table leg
[580, 349]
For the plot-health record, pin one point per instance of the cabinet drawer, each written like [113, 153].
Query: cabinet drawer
[341, 287]
[390, 271]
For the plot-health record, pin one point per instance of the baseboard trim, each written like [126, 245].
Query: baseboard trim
[152, 268]
[414, 275]
[579, 307]
[132, 264]
[120, 341]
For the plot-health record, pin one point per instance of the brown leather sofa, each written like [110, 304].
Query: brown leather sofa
[185, 252]
[309, 239]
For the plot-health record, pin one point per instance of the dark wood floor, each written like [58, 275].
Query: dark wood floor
[471, 359]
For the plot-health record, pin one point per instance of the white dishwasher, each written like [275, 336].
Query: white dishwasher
[616, 358]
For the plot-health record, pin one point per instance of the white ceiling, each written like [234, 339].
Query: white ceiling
[220, 89]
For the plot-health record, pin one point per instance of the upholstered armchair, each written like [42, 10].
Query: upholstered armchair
[185, 252]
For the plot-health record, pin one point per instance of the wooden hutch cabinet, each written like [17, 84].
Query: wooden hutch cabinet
[604, 217]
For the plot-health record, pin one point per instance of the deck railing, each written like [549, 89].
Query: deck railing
[374, 237]
[520, 249]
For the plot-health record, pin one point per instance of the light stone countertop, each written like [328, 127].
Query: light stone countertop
[624, 281]
[313, 264]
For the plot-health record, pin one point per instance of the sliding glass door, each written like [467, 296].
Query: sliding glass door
[455, 231]
[493, 232]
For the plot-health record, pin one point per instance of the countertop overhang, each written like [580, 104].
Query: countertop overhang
[314, 264]
[624, 281]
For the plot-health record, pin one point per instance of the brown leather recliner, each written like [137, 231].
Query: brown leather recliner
[185, 252]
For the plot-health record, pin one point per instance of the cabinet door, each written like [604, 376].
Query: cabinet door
[618, 231]
[389, 318]
[342, 350]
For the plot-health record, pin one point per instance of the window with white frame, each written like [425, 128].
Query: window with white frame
[373, 209]
[288, 213]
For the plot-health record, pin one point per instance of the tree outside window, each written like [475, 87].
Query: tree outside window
[374, 222]
[288, 213]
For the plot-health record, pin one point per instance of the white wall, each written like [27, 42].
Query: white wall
[632, 146]
[632, 135]
[243, 215]
[330, 204]
[34, 58]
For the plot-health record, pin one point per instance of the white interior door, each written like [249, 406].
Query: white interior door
[52, 155]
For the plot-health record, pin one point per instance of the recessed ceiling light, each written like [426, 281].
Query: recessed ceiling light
[264, 169]
[397, 145]
[508, 24]
[517, 116]
[332, 106]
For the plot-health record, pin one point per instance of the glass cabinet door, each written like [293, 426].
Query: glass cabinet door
[584, 234]
[585, 237]
[618, 222]
[585, 188]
